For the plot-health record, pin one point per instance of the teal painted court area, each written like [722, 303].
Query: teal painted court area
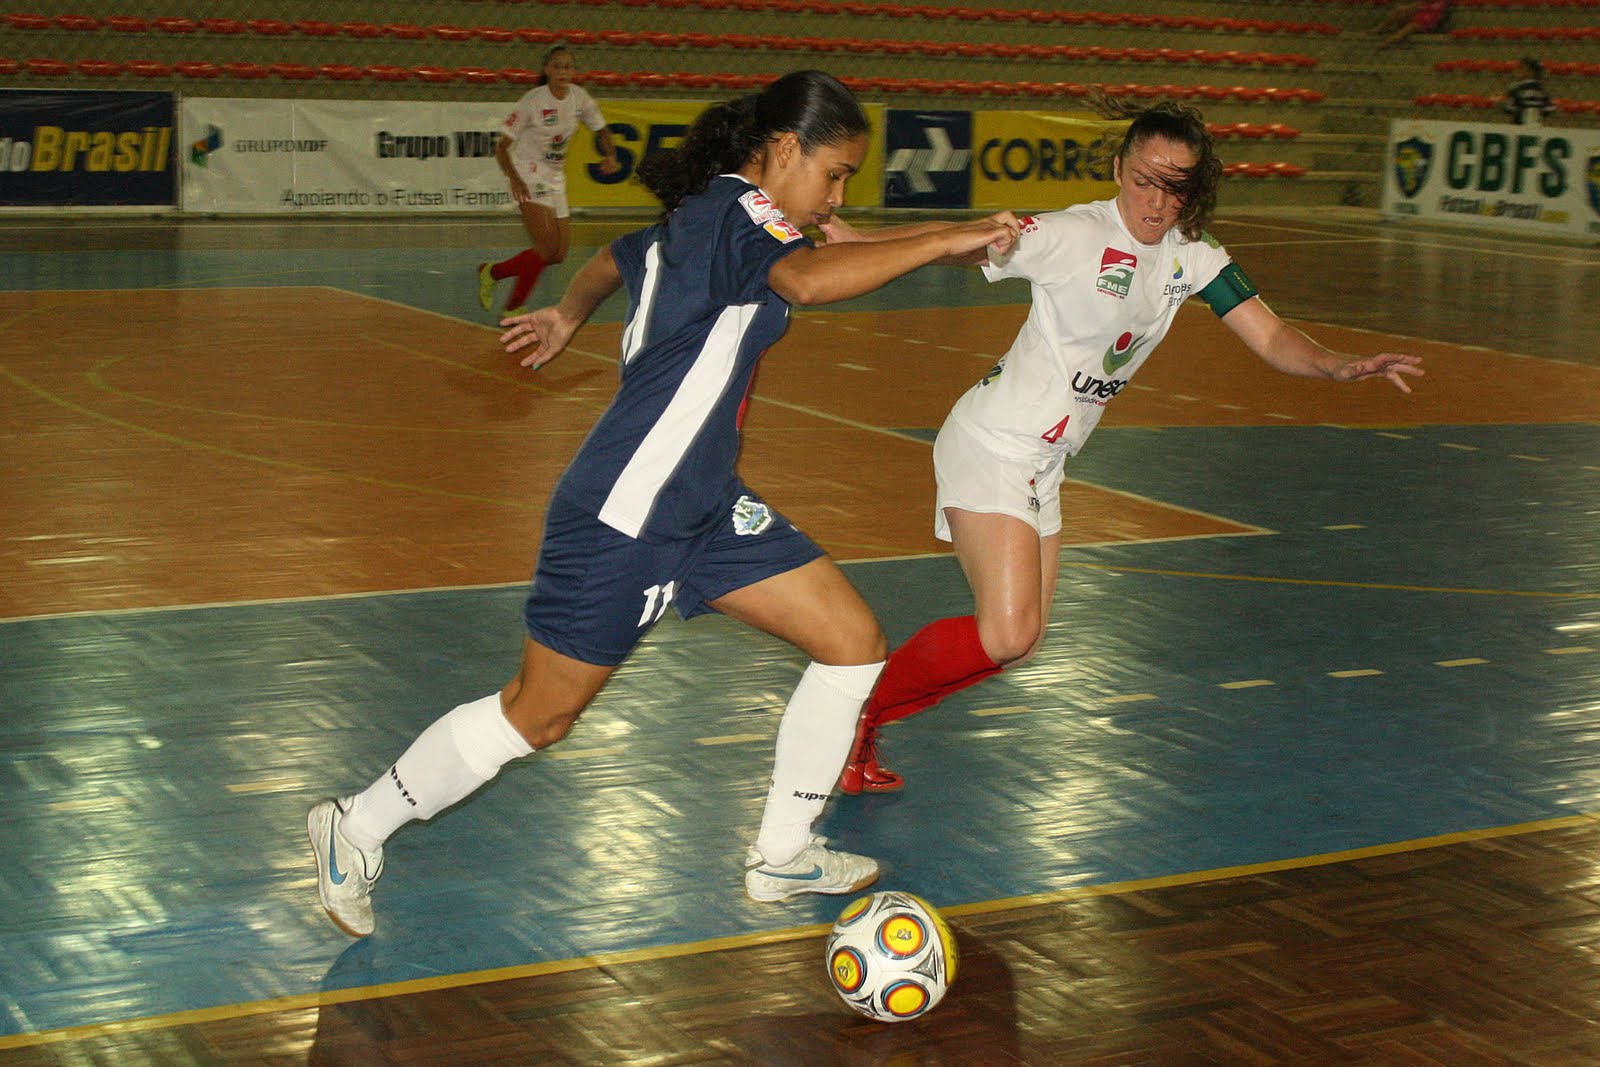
[1409, 647]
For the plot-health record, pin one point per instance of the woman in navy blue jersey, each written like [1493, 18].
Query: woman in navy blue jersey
[651, 513]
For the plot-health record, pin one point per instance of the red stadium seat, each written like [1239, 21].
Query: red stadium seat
[270, 27]
[1288, 170]
[605, 79]
[580, 38]
[98, 68]
[495, 34]
[388, 72]
[1282, 132]
[648, 79]
[363, 30]
[79, 24]
[405, 31]
[293, 71]
[690, 80]
[47, 68]
[148, 68]
[619, 38]
[246, 70]
[451, 33]
[175, 24]
[126, 23]
[520, 76]
[196, 68]
[20, 20]
[316, 28]
[342, 72]
[434, 75]
[8, 66]
[222, 27]
[533, 35]
[478, 75]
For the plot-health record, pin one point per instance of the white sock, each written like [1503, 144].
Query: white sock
[814, 738]
[452, 758]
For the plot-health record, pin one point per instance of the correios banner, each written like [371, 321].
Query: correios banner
[1041, 160]
[255, 156]
[1531, 179]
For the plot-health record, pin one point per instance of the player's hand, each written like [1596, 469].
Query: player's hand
[837, 231]
[1391, 365]
[545, 331]
[998, 231]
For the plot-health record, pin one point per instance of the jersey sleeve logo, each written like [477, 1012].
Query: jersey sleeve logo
[764, 213]
[1116, 272]
[549, 116]
[1028, 224]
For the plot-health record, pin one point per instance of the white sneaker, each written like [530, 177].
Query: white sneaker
[345, 873]
[817, 869]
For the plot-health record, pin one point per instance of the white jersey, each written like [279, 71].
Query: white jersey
[1101, 302]
[541, 128]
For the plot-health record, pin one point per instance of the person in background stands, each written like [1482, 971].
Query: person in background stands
[1422, 16]
[1107, 279]
[532, 151]
[1527, 102]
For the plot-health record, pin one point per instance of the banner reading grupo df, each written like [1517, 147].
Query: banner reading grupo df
[395, 156]
[1536, 180]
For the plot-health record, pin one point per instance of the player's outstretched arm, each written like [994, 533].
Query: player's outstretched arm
[837, 231]
[549, 329]
[833, 272]
[1291, 351]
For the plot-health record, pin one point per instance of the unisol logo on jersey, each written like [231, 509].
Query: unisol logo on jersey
[1116, 273]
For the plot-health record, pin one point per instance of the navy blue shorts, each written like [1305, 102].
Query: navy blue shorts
[597, 591]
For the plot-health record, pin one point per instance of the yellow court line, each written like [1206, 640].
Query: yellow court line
[1390, 586]
[306, 1001]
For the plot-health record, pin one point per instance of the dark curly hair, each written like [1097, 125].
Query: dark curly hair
[1197, 185]
[814, 106]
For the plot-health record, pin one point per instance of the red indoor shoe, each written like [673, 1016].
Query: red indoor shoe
[863, 773]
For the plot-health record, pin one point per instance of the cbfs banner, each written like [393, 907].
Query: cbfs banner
[1042, 160]
[73, 149]
[1529, 179]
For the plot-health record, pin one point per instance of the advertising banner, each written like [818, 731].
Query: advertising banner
[406, 156]
[1529, 179]
[73, 149]
[927, 159]
[1042, 160]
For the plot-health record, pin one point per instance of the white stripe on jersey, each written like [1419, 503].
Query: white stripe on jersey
[634, 494]
[639, 325]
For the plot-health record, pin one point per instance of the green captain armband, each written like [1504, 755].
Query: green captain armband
[1228, 290]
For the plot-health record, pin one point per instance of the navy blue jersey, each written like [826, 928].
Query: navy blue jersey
[660, 462]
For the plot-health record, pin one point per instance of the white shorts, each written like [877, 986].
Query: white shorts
[972, 477]
[547, 192]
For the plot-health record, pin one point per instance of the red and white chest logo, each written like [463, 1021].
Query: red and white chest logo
[1116, 272]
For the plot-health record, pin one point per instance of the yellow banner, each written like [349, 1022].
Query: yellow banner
[642, 126]
[1041, 160]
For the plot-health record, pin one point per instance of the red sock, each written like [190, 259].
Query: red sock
[507, 267]
[943, 657]
[531, 265]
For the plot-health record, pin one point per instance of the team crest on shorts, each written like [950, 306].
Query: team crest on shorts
[750, 517]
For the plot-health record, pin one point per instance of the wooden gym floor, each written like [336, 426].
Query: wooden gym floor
[1309, 771]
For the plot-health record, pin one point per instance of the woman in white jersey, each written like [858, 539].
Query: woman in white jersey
[651, 512]
[532, 151]
[1107, 279]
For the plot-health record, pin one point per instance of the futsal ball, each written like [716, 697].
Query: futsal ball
[891, 956]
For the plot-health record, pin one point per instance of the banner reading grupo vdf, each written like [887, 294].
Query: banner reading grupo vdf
[341, 156]
[62, 149]
[1484, 174]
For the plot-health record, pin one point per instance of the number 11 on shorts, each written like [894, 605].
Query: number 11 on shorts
[656, 599]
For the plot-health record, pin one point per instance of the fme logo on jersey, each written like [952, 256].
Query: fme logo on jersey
[1116, 272]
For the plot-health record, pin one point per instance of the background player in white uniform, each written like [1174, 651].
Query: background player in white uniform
[532, 151]
[1107, 280]
[709, 290]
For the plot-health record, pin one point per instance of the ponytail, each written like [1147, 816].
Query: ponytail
[814, 106]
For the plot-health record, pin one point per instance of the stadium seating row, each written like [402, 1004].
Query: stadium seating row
[177, 24]
[1511, 66]
[1488, 103]
[1526, 33]
[611, 79]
